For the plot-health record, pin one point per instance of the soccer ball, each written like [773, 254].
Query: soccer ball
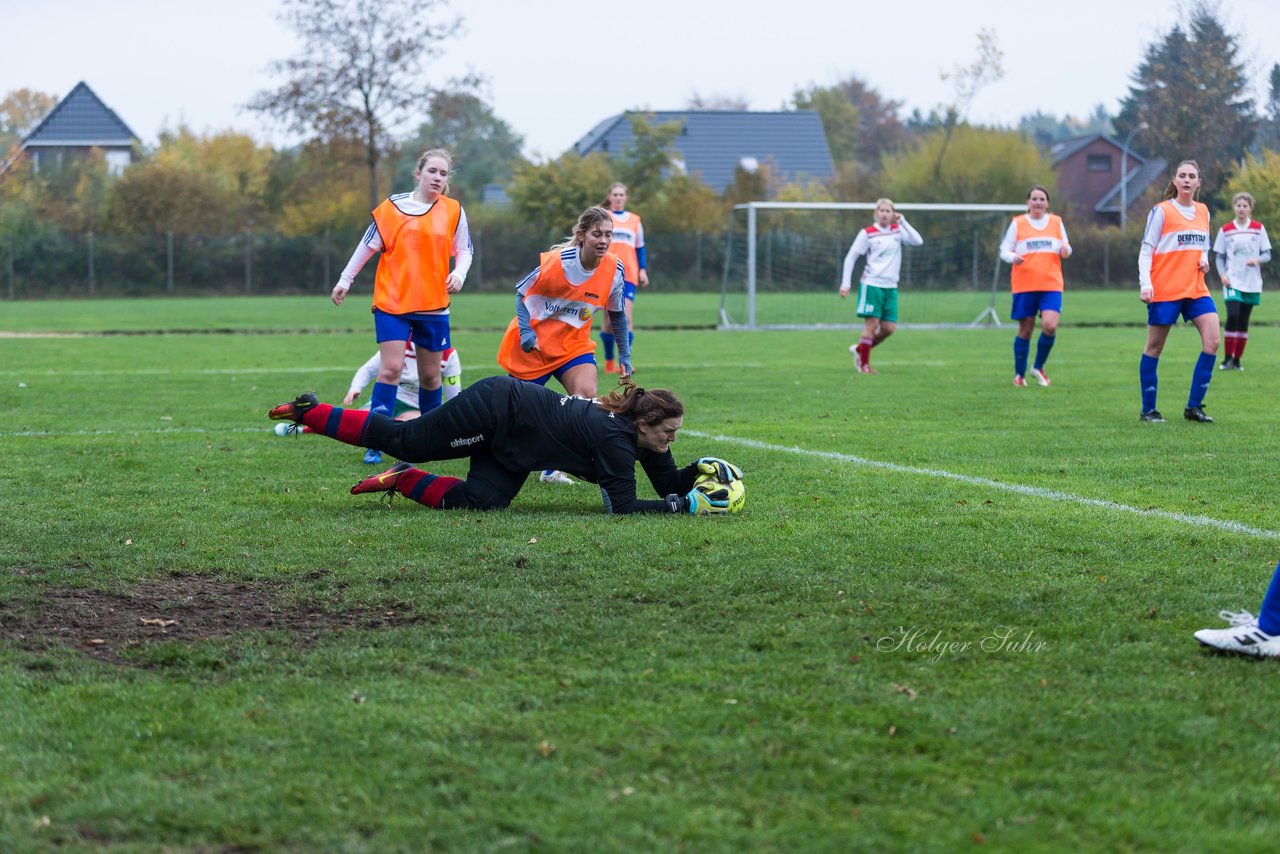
[737, 492]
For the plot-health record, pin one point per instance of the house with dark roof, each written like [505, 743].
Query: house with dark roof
[712, 144]
[1095, 174]
[78, 124]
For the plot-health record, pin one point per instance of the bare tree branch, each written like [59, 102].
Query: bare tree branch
[360, 72]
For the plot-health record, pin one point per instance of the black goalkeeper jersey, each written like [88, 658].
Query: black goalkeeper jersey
[539, 429]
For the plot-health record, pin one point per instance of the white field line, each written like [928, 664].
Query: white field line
[1019, 489]
[266, 430]
[294, 369]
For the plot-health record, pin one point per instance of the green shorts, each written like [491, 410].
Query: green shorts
[1246, 297]
[878, 302]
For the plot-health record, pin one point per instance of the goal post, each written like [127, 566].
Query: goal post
[783, 262]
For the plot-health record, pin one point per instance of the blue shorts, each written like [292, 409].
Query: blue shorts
[1031, 303]
[558, 373]
[629, 290]
[1166, 313]
[428, 331]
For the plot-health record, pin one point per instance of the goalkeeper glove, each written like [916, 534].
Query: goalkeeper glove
[701, 500]
[721, 470]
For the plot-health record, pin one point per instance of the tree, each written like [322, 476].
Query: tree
[360, 71]
[553, 194]
[20, 111]
[1047, 128]
[485, 149]
[1260, 177]
[193, 186]
[316, 190]
[646, 163]
[236, 168]
[1190, 90]
[156, 196]
[859, 123]
[978, 165]
[1269, 127]
[698, 101]
[841, 122]
[968, 80]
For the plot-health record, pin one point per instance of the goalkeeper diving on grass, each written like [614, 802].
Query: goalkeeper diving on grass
[510, 428]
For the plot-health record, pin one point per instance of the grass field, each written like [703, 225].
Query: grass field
[953, 613]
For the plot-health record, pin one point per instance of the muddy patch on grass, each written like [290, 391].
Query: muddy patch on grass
[187, 610]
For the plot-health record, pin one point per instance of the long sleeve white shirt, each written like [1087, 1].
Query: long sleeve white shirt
[883, 248]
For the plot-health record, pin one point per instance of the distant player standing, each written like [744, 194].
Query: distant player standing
[878, 287]
[1033, 247]
[416, 233]
[628, 245]
[1242, 248]
[1171, 267]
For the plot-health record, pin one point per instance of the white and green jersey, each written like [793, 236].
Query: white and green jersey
[883, 248]
[1237, 245]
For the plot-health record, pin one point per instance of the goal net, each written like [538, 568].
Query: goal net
[783, 263]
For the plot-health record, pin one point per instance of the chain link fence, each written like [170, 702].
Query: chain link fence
[56, 264]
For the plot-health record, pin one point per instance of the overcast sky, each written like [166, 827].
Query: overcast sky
[555, 68]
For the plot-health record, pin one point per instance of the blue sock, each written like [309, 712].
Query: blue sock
[1200, 379]
[607, 338]
[383, 400]
[1043, 345]
[1021, 347]
[1269, 615]
[429, 400]
[631, 338]
[1147, 381]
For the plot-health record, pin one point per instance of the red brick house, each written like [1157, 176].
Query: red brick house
[1089, 178]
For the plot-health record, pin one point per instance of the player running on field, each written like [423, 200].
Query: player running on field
[1033, 247]
[1241, 249]
[878, 287]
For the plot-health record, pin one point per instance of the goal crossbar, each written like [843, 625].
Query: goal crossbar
[870, 206]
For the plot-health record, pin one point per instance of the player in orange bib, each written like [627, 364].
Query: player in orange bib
[628, 245]
[417, 233]
[550, 335]
[1033, 247]
[1171, 268]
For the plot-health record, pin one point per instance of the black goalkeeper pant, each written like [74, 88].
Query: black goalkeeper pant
[464, 427]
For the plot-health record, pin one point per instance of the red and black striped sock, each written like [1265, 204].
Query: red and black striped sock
[425, 487]
[345, 425]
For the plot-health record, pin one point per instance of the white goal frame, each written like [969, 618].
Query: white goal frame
[988, 316]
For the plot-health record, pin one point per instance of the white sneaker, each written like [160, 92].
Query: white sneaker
[1243, 637]
[1040, 377]
[554, 476]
